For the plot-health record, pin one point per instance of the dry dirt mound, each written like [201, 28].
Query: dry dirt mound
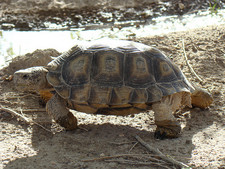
[109, 140]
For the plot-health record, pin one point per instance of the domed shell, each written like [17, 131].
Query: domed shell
[115, 73]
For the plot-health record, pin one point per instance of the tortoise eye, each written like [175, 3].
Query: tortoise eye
[25, 76]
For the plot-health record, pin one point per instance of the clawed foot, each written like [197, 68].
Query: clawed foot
[163, 132]
[69, 122]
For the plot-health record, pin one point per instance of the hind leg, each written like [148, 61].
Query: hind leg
[167, 125]
[56, 108]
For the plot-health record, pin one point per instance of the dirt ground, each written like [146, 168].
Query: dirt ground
[36, 15]
[108, 141]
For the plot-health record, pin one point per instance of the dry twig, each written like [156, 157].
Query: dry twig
[151, 160]
[122, 143]
[130, 162]
[160, 154]
[31, 121]
[117, 156]
[22, 117]
[133, 147]
[104, 158]
[188, 64]
[23, 96]
[35, 110]
[82, 128]
[15, 114]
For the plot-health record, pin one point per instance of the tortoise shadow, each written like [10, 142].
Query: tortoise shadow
[67, 149]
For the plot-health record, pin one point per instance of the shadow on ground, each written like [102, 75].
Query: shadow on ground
[67, 149]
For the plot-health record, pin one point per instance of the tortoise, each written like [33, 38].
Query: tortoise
[113, 77]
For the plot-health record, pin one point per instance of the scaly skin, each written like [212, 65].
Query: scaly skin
[163, 132]
[56, 108]
[201, 98]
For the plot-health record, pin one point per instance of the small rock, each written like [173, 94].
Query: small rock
[7, 26]
[220, 61]
[4, 132]
[188, 142]
[102, 155]
[181, 6]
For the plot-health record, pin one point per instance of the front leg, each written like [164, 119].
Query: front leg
[56, 108]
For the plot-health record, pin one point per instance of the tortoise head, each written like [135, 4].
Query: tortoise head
[201, 98]
[31, 79]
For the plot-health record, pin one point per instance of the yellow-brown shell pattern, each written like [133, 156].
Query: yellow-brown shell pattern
[115, 72]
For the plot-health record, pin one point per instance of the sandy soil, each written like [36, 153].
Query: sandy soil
[201, 145]
[38, 14]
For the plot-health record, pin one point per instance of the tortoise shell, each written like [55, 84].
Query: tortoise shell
[114, 77]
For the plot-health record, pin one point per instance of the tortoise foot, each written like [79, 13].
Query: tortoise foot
[69, 122]
[163, 132]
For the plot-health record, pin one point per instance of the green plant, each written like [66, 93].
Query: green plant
[10, 51]
[214, 6]
[76, 35]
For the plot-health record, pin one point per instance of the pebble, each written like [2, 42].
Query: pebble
[7, 26]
